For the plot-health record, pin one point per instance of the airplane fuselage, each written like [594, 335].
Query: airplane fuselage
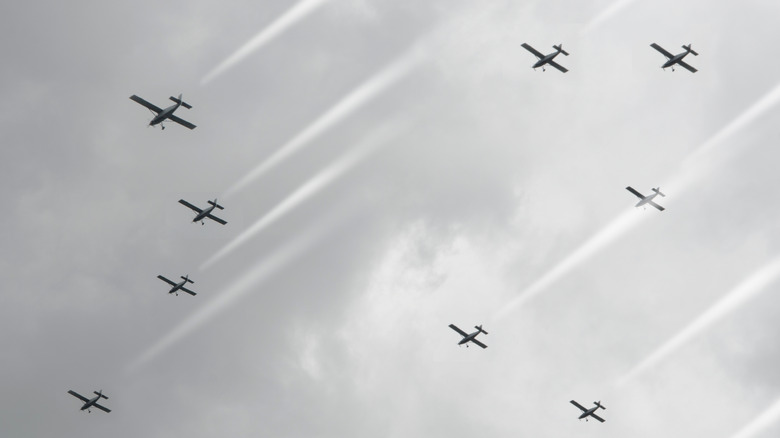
[164, 114]
[546, 59]
[202, 215]
[91, 402]
[468, 338]
[177, 287]
[587, 413]
[646, 199]
[675, 59]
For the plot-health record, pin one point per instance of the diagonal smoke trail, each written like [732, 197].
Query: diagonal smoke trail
[298, 12]
[316, 184]
[764, 420]
[352, 102]
[264, 270]
[691, 171]
[606, 15]
[607, 235]
[751, 286]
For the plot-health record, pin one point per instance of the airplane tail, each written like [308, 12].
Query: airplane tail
[214, 203]
[598, 404]
[658, 190]
[479, 327]
[187, 279]
[179, 101]
[560, 49]
[688, 48]
[100, 394]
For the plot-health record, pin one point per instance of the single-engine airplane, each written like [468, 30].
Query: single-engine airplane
[647, 199]
[547, 59]
[179, 286]
[167, 113]
[91, 403]
[205, 213]
[589, 412]
[676, 59]
[470, 337]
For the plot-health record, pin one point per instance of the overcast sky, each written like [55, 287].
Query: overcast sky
[388, 168]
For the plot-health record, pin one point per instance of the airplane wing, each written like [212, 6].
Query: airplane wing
[578, 405]
[182, 122]
[686, 66]
[597, 417]
[78, 396]
[187, 204]
[479, 343]
[532, 50]
[662, 50]
[639, 195]
[216, 219]
[656, 205]
[461, 332]
[146, 104]
[558, 66]
[188, 291]
[166, 280]
[102, 408]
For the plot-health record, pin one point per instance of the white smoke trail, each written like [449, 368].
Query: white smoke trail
[692, 170]
[267, 267]
[754, 284]
[766, 419]
[313, 186]
[607, 235]
[295, 14]
[606, 15]
[361, 95]
[755, 111]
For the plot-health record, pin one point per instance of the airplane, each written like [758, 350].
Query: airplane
[547, 59]
[91, 403]
[589, 412]
[178, 286]
[676, 59]
[167, 113]
[205, 213]
[470, 337]
[647, 199]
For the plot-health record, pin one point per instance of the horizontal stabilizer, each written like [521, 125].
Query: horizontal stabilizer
[216, 205]
[183, 103]
[688, 48]
[480, 329]
[561, 49]
[187, 279]
[101, 395]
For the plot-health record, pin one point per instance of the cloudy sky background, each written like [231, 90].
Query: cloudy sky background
[431, 177]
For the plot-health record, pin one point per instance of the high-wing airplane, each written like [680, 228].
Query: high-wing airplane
[547, 59]
[91, 403]
[178, 286]
[470, 337]
[205, 213]
[676, 59]
[167, 113]
[647, 199]
[589, 412]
